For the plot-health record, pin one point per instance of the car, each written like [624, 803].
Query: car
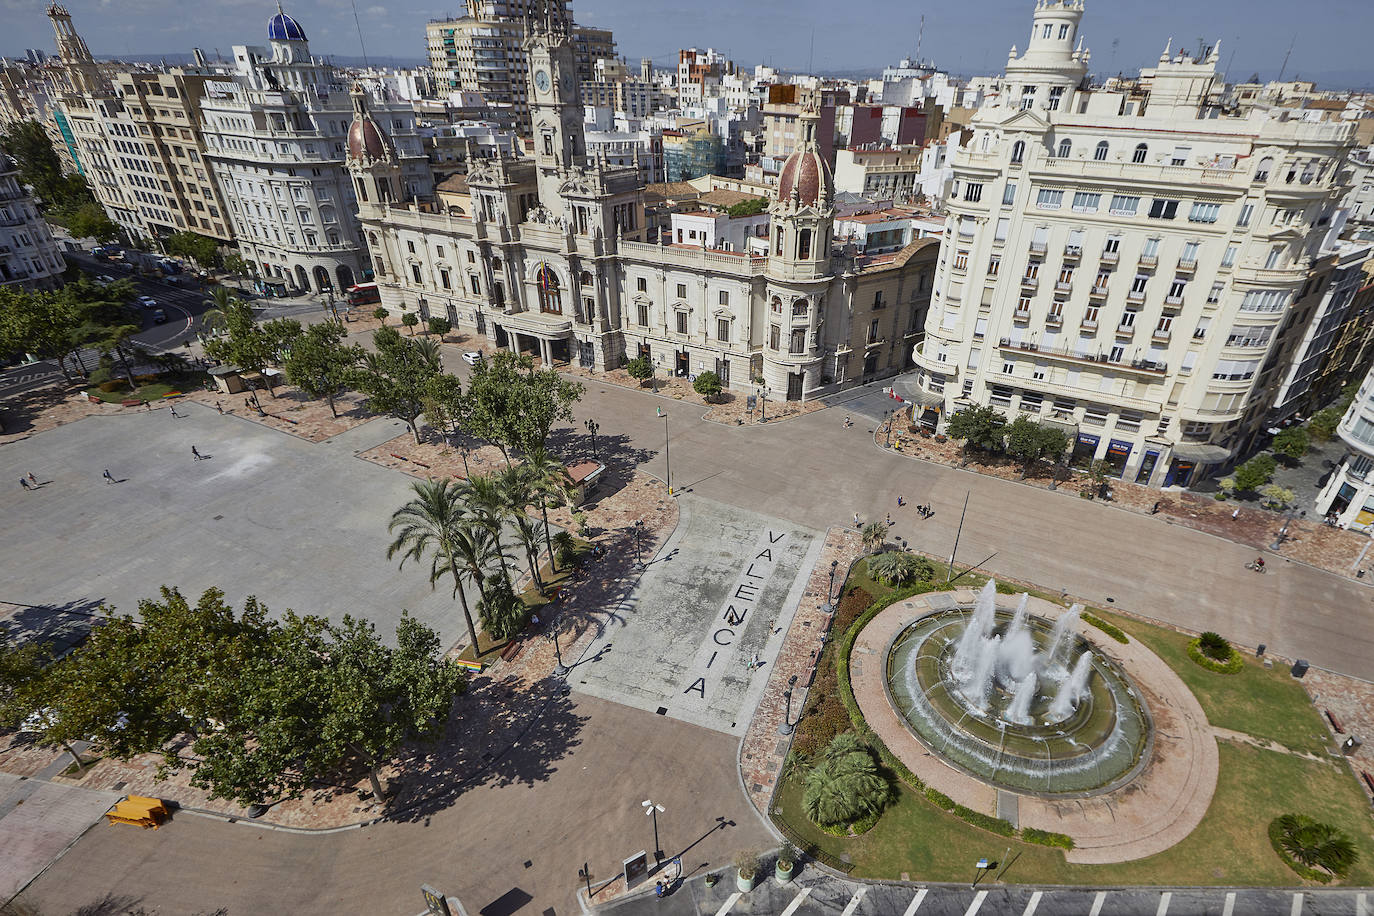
[104, 279]
[159, 316]
[472, 357]
[147, 302]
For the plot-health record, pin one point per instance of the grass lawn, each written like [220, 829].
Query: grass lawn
[1230, 846]
[150, 392]
[532, 596]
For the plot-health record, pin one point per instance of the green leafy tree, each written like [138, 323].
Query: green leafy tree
[117, 342]
[20, 666]
[245, 345]
[281, 334]
[381, 313]
[236, 266]
[432, 524]
[320, 363]
[1291, 443]
[514, 405]
[846, 785]
[751, 207]
[707, 384]
[199, 248]
[443, 402]
[396, 378]
[40, 168]
[1028, 441]
[1255, 473]
[89, 221]
[410, 320]
[1323, 423]
[440, 326]
[44, 324]
[1317, 845]
[1276, 497]
[640, 368]
[980, 428]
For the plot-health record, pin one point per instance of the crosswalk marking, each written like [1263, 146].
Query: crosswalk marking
[1297, 906]
[921, 895]
[854, 902]
[1230, 904]
[1034, 902]
[1164, 899]
[797, 902]
[729, 902]
[1097, 903]
[976, 904]
[1361, 905]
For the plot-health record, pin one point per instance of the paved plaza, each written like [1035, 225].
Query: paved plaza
[717, 598]
[299, 525]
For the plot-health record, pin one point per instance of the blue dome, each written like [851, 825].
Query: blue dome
[282, 27]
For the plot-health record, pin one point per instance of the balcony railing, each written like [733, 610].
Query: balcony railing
[1171, 299]
[1054, 320]
[1187, 265]
[1073, 251]
[1021, 314]
[1063, 286]
[1139, 365]
[1149, 260]
[1136, 295]
[1030, 282]
[1161, 334]
[1125, 330]
[1038, 247]
[1110, 257]
[1098, 292]
[1089, 324]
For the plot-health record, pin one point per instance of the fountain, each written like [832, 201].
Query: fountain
[1019, 700]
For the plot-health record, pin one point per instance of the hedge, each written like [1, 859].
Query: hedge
[1114, 632]
[1047, 838]
[1311, 874]
[1230, 666]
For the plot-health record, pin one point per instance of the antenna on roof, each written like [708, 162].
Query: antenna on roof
[1284, 68]
[919, 35]
[359, 24]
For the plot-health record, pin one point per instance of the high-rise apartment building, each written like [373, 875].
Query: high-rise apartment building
[1129, 262]
[275, 135]
[1348, 497]
[481, 52]
[29, 255]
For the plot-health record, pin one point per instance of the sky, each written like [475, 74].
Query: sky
[1328, 41]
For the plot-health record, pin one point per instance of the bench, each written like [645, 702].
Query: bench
[1335, 723]
[129, 402]
[1369, 780]
[511, 651]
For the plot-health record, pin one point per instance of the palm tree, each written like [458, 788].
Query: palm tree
[527, 532]
[893, 568]
[428, 349]
[432, 523]
[477, 552]
[1316, 845]
[487, 500]
[874, 533]
[548, 481]
[846, 785]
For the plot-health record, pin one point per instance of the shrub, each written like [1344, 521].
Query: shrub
[380, 313]
[898, 568]
[1273, 496]
[1230, 665]
[747, 861]
[707, 384]
[565, 545]
[114, 384]
[640, 368]
[440, 326]
[1311, 848]
[1323, 423]
[1214, 646]
[1047, 838]
[1255, 473]
[503, 613]
[1291, 443]
[100, 374]
[846, 785]
[145, 379]
[1113, 631]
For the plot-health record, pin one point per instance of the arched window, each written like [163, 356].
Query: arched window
[799, 308]
[1018, 151]
[550, 297]
[803, 244]
[776, 304]
[1101, 152]
[495, 263]
[327, 214]
[1065, 147]
[1140, 151]
[1266, 165]
[585, 279]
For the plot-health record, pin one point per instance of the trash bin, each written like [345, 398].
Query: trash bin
[1300, 667]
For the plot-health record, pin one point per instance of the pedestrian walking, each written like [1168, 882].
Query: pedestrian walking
[195, 453]
[109, 478]
[889, 519]
[1236, 514]
[219, 407]
[32, 479]
[24, 482]
[173, 409]
[857, 524]
[900, 502]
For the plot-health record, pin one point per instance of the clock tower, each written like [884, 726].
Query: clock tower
[555, 104]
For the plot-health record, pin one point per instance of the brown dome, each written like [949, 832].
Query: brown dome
[366, 140]
[806, 173]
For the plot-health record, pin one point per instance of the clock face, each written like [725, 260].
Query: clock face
[541, 80]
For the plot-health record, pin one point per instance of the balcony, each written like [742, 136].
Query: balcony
[1021, 314]
[1110, 257]
[1161, 335]
[1063, 286]
[1125, 330]
[1029, 283]
[1149, 260]
[1099, 292]
[1089, 324]
[1054, 321]
[1187, 265]
[1138, 365]
[1073, 251]
[1038, 247]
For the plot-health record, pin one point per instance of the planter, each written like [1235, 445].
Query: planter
[783, 875]
[745, 885]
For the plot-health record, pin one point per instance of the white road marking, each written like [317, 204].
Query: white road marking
[976, 904]
[1230, 904]
[854, 902]
[797, 902]
[1164, 899]
[1297, 906]
[1097, 903]
[1034, 902]
[921, 895]
[729, 902]
[1361, 905]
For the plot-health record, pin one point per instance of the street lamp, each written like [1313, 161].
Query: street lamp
[592, 427]
[888, 442]
[830, 592]
[463, 450]
[652, 810]
[786, 727]
[667, 457]
[763, 403]
[639, 531]
[559, 669]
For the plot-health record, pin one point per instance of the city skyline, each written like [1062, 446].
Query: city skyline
[970, 40]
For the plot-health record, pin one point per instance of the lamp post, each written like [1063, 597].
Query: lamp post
[559, 669]
[463, 449]
[763, 403]
[1283, 532]
[592, 427]
[888, 442]
[830, 592]
[667, 457]
[652, 810]
[786, 727]
[639, 530]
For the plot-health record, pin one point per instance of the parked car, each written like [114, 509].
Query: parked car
[147, 302]
[104, 279]
[159, 316]
[472, 357]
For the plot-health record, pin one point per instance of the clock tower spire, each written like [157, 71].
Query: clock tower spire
[555, 103]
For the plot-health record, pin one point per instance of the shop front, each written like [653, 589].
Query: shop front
[1147, 466]
[1084, 451]
[1118, 453]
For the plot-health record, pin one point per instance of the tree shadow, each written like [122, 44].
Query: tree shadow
[612, 449]
[62, 627]
[19, 411]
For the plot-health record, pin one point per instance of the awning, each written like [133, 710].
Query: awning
[925, 398]
[1201, 452]
[1067, 427]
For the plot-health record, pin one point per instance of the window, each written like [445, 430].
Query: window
[1003, 226]
[1247, 211]
[724, 297]
[550, 294]
[1266, 165]
[1272, 260]
[1090, 316]
[1138, 284]
[980, 328]
[1264, 300]
[1189, 255]
[1086, 202]
[1066, 275]
[681, 318]
[1009, 194]
[1214, 294]
[1229, 257]
[415, 272]
[1018, 151]
[1100, 151]
[1139, 155]
[1049, 199]
[797, 343]
[1129, 421]
[1065, 148]
[1114, 355]
[682, 290]
[1008, 368]
[1235, 370]
[1023, 305]
[444, 280]
[973, 192]
[410, 247]
[994, 265]
[723, 329]
[642, 284]
[1176, 288]
[1128, 319]
[999, 396]
[1161, 208]
[1180, 156]
[643, 315]
[1150, 250]
[1032, 269]
[1027, 98]
[1095, 415]
[1057, 309]
[1124, 205]
[1056, 95]
[1113, 245]
[799, 308]
[475, 284]
[960, 263]
[1205, 213]
[774, 336]
[1249, 336]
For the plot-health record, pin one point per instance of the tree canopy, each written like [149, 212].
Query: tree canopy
[980, 427]
[396, 378]
[514, 405]
[199, 248]
[1029, 441]
[320, 362]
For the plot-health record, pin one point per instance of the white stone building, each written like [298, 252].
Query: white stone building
[29, 255]
[275, 134]
[1127, 262]
[1348, 496]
